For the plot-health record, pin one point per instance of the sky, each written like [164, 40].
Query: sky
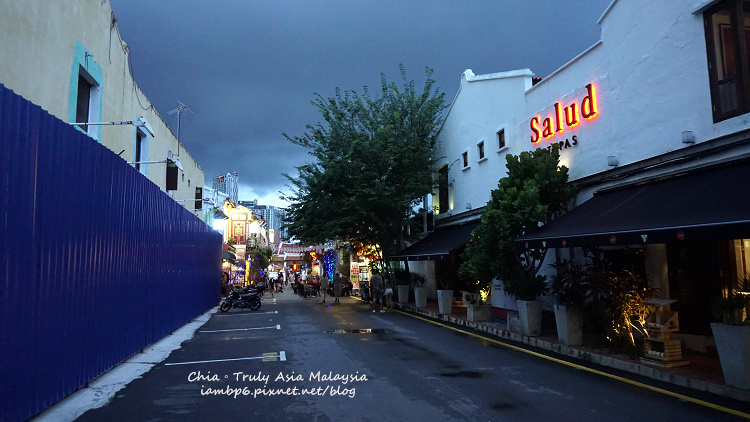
[249, 70]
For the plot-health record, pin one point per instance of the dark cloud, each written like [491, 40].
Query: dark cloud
[249, 69]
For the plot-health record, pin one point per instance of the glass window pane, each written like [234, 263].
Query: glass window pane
[724, 43]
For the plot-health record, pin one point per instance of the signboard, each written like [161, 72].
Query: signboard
[354, 275]
[238, 229]
[550, 126]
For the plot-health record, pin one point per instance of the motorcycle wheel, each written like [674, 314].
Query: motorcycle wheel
[225, 306]
[254, 303]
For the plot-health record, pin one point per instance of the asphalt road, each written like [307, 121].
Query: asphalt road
[297, 359]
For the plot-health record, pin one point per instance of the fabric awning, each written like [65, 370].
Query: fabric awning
[227, 255]
[705, 204]
[440, 243]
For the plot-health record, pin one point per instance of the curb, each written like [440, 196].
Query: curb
[587, 356]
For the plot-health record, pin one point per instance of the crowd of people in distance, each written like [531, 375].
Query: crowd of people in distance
[378, 290]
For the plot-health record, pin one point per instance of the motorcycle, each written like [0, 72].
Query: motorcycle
[250, 299]
[364, 291]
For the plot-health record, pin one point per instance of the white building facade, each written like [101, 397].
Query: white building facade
[665, 93]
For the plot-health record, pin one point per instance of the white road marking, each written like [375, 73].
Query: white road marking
[281, 355]
[278, 327]
[252, 313]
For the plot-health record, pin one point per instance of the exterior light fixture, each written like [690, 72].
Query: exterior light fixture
[612, 161]
[688, 137]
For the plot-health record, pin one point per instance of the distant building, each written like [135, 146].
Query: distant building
[272, 215]
[229, 184]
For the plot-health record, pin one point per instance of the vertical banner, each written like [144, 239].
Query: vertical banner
[354, 275]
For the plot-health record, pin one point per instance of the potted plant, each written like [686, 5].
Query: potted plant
[535, 191]
[732, 336]
[477, 309]
[402, 285]
[420, 293]
[568, 286]
[527, 288]
[444, 295]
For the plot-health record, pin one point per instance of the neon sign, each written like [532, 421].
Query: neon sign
[568, 116]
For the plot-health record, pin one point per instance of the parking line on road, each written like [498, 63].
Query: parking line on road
[587, 369]
[278, 327]
[281, 356]
[251, 313]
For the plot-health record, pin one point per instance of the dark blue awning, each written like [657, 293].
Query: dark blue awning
[711, 203]
[438, 244]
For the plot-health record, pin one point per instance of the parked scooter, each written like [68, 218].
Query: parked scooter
[236, 299]
[364, 291]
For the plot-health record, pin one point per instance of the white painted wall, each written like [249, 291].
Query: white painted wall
[484, 105]
[651, 74]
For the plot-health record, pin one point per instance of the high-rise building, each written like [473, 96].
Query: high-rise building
[272, 215]
[229, 184]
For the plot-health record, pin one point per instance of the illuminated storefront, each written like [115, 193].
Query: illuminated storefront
[654, 133]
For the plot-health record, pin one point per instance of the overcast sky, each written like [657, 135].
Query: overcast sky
[249, 69]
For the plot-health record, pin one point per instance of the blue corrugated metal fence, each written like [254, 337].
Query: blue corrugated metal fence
[96, 261]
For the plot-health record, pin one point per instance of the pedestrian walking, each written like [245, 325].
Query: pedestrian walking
[279, 281]
[388, 293]
[324, 286]
[377, 285]
[337, 286]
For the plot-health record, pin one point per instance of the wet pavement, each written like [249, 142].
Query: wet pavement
[300, 359]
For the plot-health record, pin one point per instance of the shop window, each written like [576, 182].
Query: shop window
[727, 27]
[480, 151]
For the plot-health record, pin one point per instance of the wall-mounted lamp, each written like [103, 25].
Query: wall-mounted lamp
[688, 137]
[468, 205]
[612, 161]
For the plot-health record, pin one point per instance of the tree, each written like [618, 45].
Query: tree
[373, 163]
[534, 192]
[259, 258]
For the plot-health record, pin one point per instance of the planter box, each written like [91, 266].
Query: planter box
[530, 316]
[420, 297]
[569, 326]
[445, 301]
[733, 345]
[403, 293]
[479, 312]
